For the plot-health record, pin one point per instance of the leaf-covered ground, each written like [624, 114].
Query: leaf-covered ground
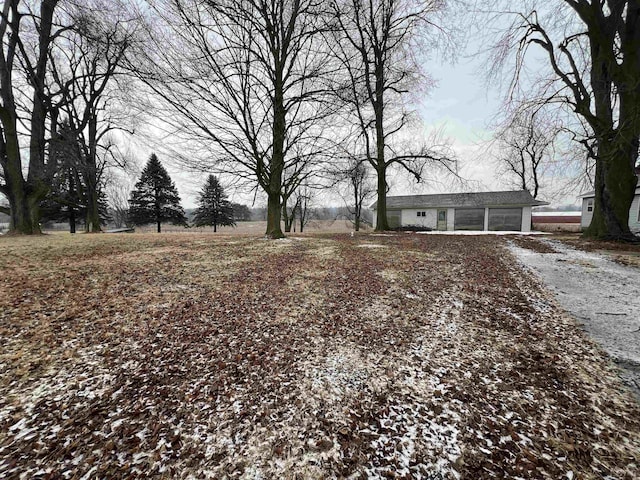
[393, 356]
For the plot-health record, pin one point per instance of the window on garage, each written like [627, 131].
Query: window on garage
[469, 219]
[505, 219]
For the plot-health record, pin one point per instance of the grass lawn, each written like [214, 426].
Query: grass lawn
[197, 356]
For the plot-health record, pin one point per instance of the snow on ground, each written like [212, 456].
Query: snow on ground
[480, 232]
[603, 296]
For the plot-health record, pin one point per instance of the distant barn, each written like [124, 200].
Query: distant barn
[556, 221]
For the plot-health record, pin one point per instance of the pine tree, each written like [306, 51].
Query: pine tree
[155, 198]
[214, 209]
[67, 198]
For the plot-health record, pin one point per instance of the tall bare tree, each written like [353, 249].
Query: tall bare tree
[526, 149]
[592, 51]
[243, 80]
[85, 67]
[20, 21]
[361, 190]
[38, 38]
[303, 198]
[354, 172]
[376, 42]
[118, 191]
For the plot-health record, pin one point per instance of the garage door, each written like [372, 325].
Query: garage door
[509, 219]
[469, 219]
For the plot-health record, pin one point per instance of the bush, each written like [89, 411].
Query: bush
[412, 228]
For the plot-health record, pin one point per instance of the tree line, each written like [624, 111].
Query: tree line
[290, 96]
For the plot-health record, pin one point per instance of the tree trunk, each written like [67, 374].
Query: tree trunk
[614, 191]
[92, 222]
[381, 166]
[358, 207]
[90, 170]
[274, 229]
[215, 228]
[381, 213]
[288, 220]
[617, 146]
[72, 220]
[21, 219]
[157, 209]
[38, 177]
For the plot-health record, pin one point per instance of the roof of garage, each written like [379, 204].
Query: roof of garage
[517, 198]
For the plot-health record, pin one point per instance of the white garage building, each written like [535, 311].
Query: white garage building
[493, 211]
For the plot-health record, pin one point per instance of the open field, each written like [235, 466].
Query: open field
[258, 228]
[327, 356]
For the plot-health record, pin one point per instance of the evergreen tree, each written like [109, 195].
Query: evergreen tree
[67, 198]
[214, 209]
[155, 197]
[241, 213]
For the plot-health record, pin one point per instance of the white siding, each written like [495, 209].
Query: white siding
[585, 220]
[410, 217]
[634, 213]
[526, 219]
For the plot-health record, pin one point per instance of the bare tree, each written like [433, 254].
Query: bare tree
[354, 173]
[295, 174]
[361, 190]
[24, 194]
[304, 197]
[289, 213]
[243, 81]
[375, 43]
[118, 193]
[526, 148]
[36, 36]
[592, 50]
[85, 67]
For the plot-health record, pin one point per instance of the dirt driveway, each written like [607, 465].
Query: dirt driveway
[601, 294]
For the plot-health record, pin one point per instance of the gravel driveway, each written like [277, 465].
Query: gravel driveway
[602, 295]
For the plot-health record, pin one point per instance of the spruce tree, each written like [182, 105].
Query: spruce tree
[214, 209]
[67, 198]
[155, 198]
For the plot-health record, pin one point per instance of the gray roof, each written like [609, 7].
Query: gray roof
[479, 199]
